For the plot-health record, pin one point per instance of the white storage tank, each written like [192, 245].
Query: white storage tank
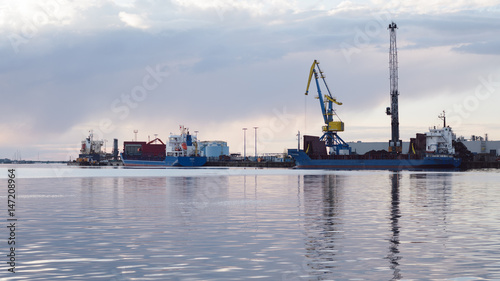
[214, 149]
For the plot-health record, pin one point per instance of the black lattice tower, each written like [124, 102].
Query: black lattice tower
[395, 143]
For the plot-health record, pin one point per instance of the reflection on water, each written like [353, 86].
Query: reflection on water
[395, 214]
[323, 225]
[336, 226]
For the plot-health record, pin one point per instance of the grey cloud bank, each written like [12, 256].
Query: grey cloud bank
[68, 67]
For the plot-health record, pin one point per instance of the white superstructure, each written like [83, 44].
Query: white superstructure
[183, 144]
[440, 141]
[91, 146]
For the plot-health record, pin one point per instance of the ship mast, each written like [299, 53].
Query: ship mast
[395, 144]
[443, 117]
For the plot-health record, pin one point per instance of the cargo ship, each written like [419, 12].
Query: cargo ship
[92, 154]
[180, 150]
[434, 150]
[430, 151]
[363, 162]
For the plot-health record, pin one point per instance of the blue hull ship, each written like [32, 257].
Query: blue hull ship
[182, 150]
[358, 162]
[183, 161]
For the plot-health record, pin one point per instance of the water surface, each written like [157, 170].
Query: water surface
[253, 224]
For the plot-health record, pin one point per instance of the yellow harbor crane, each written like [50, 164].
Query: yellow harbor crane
[330, 136]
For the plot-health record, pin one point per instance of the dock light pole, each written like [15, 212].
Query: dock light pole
[298, 140]
[244, 143]
[255, 142]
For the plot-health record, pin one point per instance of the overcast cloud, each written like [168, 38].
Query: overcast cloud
[218, 66]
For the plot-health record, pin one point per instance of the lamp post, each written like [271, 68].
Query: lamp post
[244, 143]
[255, 142]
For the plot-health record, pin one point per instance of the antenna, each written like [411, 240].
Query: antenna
[135, 133]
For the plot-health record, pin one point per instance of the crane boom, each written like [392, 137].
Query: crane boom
[313, 71]
[310, 76]
[333, 100]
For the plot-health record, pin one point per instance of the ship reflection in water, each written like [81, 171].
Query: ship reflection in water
[242, 224]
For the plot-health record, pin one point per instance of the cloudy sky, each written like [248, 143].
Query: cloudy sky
[217, 66]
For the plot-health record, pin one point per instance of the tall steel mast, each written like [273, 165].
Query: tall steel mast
[395, 144]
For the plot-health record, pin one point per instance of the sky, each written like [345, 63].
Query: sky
[218, 66]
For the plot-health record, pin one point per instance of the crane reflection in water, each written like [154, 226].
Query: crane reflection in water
[335, 244]
[395, 214]
[323, 227]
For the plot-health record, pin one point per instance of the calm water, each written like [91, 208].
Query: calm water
[246, 224]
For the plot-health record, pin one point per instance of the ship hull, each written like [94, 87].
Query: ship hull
[169, 161]
[303, 161]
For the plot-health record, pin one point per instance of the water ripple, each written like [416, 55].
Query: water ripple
[267, 226]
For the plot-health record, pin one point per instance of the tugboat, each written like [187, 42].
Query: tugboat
[181, 150]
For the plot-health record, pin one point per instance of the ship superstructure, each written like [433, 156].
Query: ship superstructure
[183, 144]
[91, 146]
